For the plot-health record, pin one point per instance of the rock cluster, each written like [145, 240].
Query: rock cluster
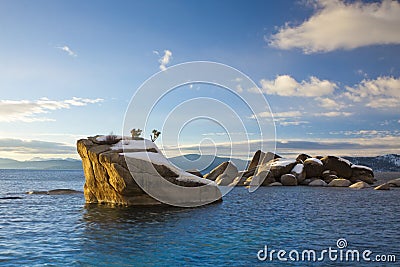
[269, 169]
[105, 163]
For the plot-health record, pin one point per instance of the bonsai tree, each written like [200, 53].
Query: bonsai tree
[154, 135]
[136, 133]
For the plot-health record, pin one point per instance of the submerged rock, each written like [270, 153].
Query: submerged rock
[394, 182]
[360, 185]
[385, 186]
[340, 183]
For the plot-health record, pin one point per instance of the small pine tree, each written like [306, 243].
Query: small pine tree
[136, 133]
[155, 134]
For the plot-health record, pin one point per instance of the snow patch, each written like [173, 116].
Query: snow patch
[134, 144]
[159, 159]
[345, 161]
[103, 138]
[282, 163]
[311, 160]
[298, 169]
[361, 167]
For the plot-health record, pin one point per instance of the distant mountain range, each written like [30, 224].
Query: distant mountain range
[41, 164]
[204, 163]
[385, 163]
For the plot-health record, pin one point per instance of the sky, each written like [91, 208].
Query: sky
[330, 71]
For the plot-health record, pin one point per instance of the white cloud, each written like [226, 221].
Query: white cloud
[164, 60]
[20, 146]
[285, 85]
[329, 103]
[292, 123]
[381, 93]
[342, 25]
[67, 50]
[239, 88]
[286, 114]
[334, 114]
[27, 111]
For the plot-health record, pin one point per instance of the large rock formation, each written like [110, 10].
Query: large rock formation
[267, 168]
[111, 164]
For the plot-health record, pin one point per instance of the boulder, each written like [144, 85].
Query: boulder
[262, 178]
[277, 167]
[318, 182]
[329, 178]
[340, 165]
[288, 179]
[360, 185]
[362, 173]
[275, 184]
[261, 158]
[214, 173]
[114, 169]
[394, 182]
[385, 186]
[313, 167]
[340, 183]
[302, 157]
[299, 171]
[227, 177]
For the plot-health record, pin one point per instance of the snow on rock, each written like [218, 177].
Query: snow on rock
[346, 161]
[159, 159]
[282, 163]
[361, 167]
[134, 144]
[103, 138]
[313, 160]
[298, 168]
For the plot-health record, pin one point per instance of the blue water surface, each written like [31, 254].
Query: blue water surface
[61, 230]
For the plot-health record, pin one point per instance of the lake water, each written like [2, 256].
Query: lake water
[60, 230]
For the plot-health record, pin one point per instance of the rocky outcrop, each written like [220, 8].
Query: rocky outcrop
[268, 168]
[114, 168]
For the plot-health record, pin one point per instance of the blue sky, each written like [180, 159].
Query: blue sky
[330, 70]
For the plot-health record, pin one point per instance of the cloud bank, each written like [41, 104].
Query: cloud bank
[27, 111]
[285, 85]
[340, 25]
